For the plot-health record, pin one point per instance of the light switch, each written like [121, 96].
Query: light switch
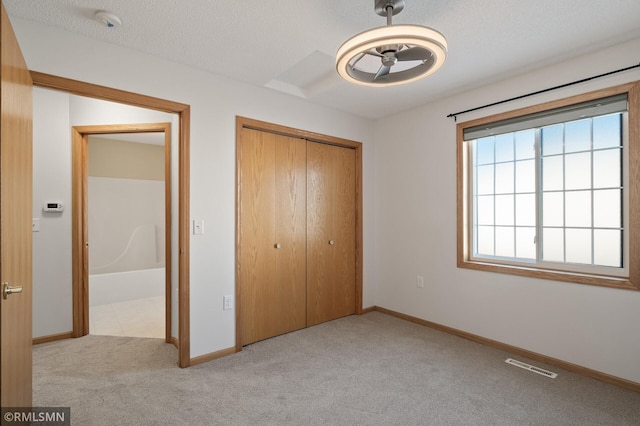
[35, 225]
[198, 227]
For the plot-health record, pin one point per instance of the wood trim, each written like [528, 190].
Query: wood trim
[368, 310]
[95, 91]
[359, 231]
[244, 122]
[213, 355]
[634, 185]
[168, 231]
[80, 208]
[52, 337]
[578, 369]
[184, 349]
[264, 126]
[463, 251]
[78, 231]
[183, 110]
[174, 342]
[238, 347]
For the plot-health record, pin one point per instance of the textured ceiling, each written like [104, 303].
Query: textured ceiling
[289, 45]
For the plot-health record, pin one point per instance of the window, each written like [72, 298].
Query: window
[548, 191]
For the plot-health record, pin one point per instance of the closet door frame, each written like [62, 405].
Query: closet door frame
[244, 122]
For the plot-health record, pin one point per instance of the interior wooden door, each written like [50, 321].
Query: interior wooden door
[331, 232]
[15, 221]
[272, 235]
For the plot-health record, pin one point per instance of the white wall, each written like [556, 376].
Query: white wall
[415, 163]
[52, 304]
[214, 104]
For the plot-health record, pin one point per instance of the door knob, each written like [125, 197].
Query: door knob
[331, 242]
[8, 290]
[277, 245]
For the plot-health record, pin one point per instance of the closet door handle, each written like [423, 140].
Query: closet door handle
[277, 245]
[331, 242]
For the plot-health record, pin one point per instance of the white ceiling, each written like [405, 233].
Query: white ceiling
[289, 45]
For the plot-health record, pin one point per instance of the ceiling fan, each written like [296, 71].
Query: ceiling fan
[393, 54]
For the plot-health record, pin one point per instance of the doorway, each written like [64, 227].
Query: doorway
[129, 230]
[181, 206]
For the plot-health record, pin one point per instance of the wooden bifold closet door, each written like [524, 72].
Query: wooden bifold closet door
[296, 233]
[272, 234]
[331, 227]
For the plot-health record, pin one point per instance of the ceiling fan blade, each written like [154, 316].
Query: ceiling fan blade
[413, 54]
[384, 70]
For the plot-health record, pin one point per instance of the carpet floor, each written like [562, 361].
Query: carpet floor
[361, 370]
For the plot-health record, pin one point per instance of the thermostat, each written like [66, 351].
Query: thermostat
[53, 207]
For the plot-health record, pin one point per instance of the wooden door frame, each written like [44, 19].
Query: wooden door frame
[184, 114]
[248, 123]
[80, 218]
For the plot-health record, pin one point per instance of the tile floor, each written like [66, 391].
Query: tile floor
[133, 318]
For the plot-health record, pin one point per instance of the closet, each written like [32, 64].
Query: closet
[297, 223]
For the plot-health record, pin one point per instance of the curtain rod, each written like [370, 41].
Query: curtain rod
[456, 114]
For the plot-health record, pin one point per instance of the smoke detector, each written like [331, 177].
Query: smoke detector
[108, 19]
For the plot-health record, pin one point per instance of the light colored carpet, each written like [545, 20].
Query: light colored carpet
[368, 370]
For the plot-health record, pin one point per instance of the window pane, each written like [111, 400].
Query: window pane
[578, 208]
[553, 244]
[525, 144]
[552, 176]
[553, 209]
[526, 210]
[504, 210]
[607, 131]
[578, 245]
[552, 140]
[607, 247]
[552, 193]
[484, 180]
[525, 247]
[606, 208]
[504, 178]
[606, 168]
[504, 147]
[484, 150]
[526, 176]
[485, 210]
[577, 172]
[505, 241]
[485, 240]
[577, 136]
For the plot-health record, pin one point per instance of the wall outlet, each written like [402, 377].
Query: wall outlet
[420, 281]
[227, 302]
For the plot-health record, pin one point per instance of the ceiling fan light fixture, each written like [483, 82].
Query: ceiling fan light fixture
[422, 47]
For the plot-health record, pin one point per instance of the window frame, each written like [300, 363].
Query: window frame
[464, 207]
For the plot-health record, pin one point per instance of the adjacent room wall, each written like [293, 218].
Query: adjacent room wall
[126, 205]
[415, 165]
